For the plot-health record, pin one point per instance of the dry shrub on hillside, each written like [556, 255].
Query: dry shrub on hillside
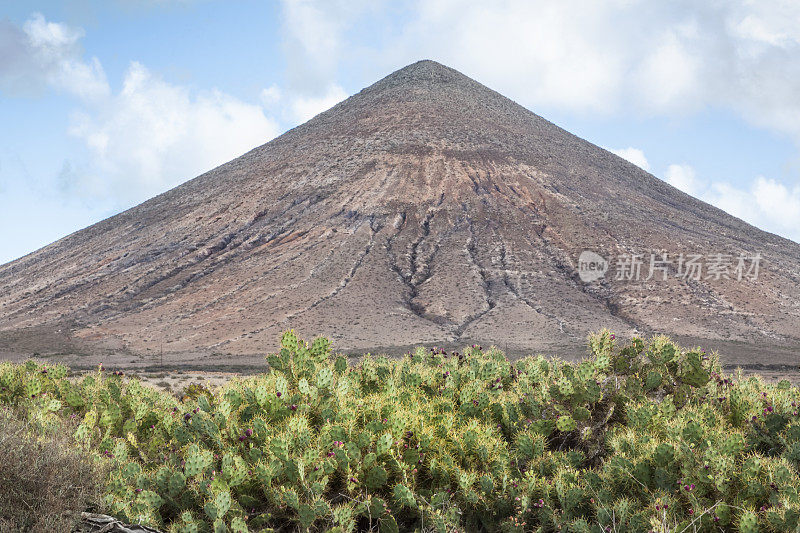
[45, 481]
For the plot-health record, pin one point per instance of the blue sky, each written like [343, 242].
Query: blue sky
[104, 104]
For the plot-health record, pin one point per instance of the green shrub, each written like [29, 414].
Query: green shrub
[637, 437]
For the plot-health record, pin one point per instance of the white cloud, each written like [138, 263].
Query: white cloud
[632, 155]
[43, 53]
[304, 108]
[298, 108]
[669, 75]
[683, 177]
[765, 203]
[540, 53]
[311, 41]
[772, 23]
[271, 95]
[731, 199]
[153, 135]
[604, 56]
[778, 205]
[314, 39]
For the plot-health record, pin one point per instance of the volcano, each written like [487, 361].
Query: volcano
[426, 209]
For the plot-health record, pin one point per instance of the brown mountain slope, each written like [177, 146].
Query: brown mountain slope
[424, 209]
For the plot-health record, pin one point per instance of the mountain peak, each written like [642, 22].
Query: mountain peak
[425, 209]
[425, 73]
[425, 70]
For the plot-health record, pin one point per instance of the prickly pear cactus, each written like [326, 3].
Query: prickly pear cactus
[566, 423]
[640, 436]
[748, 522]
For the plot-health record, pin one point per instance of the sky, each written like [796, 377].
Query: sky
[104, 104]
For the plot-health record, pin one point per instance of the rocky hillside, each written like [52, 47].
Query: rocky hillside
[425, 209]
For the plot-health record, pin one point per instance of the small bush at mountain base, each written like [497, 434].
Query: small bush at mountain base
[640, 436]
[45, 482]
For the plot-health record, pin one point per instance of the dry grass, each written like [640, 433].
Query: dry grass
[45, 481]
